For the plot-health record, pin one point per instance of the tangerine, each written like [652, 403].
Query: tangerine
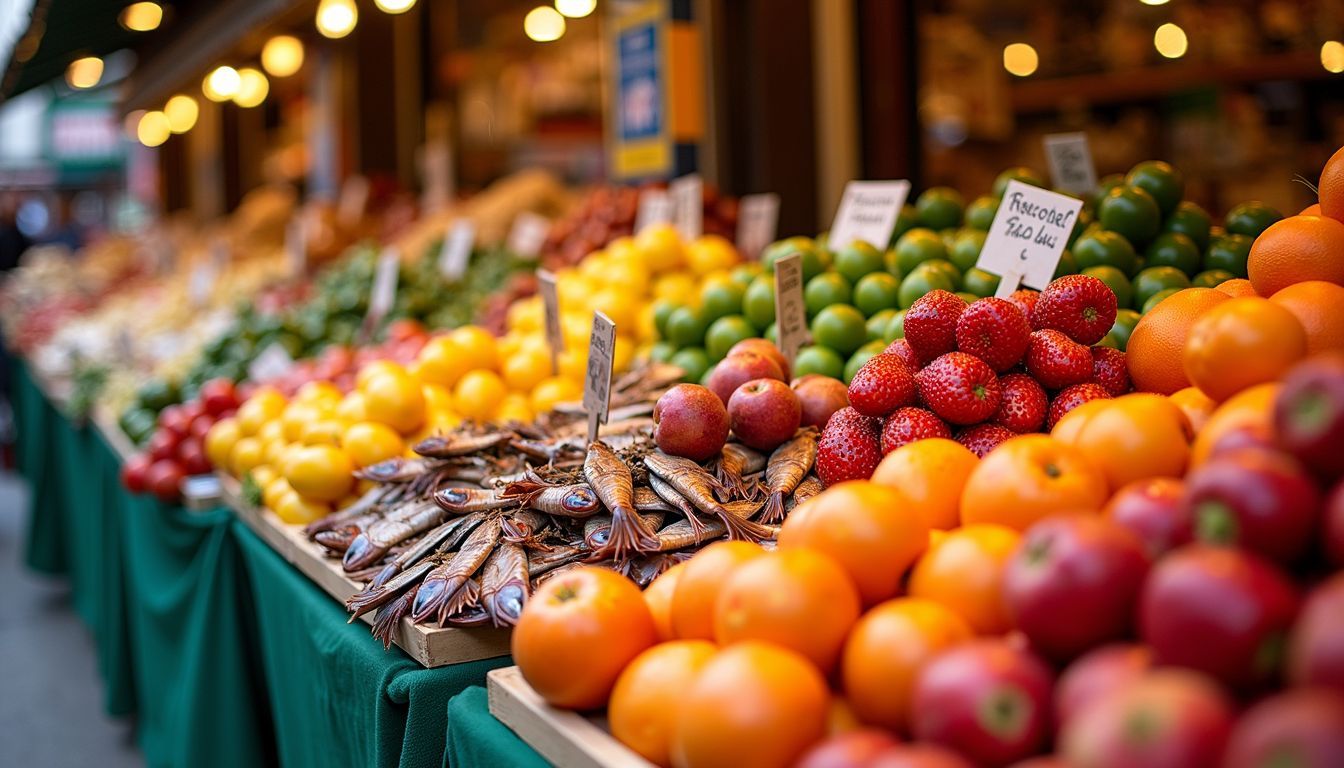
[1237, 286]
[1196, 406]
[930, 474]
[1132, 437]
[697, 589]
[1158, 341]
[1330, 190]
[964, 573]
[1251, 410]
[658, 596]
[1240, 343]
[644, 702]
[1029, 477]
[1296, 249]
[1319, 306]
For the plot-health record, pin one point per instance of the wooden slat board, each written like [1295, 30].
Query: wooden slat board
[430, 646]
[559, 735]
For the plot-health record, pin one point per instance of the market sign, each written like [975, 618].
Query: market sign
[82, 134]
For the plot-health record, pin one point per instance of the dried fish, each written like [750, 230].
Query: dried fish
[698, 486]
[611, 479]
[787, 467]
[504, 584]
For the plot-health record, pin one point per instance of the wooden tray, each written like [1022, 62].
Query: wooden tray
[559, 735]
[431, 646]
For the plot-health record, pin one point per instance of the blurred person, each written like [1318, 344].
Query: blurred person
[13, 242]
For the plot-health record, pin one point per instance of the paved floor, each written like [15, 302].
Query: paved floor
[51, 710]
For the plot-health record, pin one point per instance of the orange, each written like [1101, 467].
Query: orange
[658, 596]
[1240, 343]
[697, 588]
[796, 598]
[1196, 406]
[866, 528]
[370, 442]
[396, 399]
[644, 702]
[841, 718]
[1297, 249]
[246, 453]
[1132, 437]
[322, 472]
[440, 362]
[754, 705]
[1311, 210]
[298, 510]
[1158, 341]
[1319, 306]
[1237, 286]
[1330, 190]
[1029, 477]
[479, 394]
[930, 475]
[1066, 429]
[1250, 410]
[578, 633]
[964, 573]
[886, 650]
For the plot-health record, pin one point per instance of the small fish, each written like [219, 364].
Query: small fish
[524, 527]
[697, 486]
[446, 580]
[460, 444]
[681, 534]
[504, 584]
[647, 500]
[395, 470]
[787, 467]
[577, 500]
[387, 618]
[644, 569]
[542, 562]
[810, 487]
[669, 494]
[422, 549]
[366, 504]
[398, 526]
[610, 478]
[372, 597]
[461, 500]
[734, 462]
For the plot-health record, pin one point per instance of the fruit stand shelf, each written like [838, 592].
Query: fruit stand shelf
[561, 736]
[430, 646]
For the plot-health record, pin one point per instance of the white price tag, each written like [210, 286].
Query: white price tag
[550, 300]
[1028, 235]
[790, 311]
[384, 290]
[354, 199]
[655, 207]
[1070, 160]
[296, 246]
[757, 223]
[597, 383]
[868, 212]
[455, 254]
[273, 362]
[528, 234]
[688, 206]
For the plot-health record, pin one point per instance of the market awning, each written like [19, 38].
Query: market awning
[59, 31]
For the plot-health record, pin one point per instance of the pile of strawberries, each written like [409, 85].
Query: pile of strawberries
[980, 373]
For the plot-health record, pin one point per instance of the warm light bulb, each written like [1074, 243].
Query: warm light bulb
[141, 17]
[153, 129]
[282, 55]
[1154, 2]
[1170, 41]
[544, 24]
[336, 18]
[182, 111]
[221, 84]
[1020, 59]
[85, 72]
[575, 9]
[1332, 56]
[394, 6]
[252, 88]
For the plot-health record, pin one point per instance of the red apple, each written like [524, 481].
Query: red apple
[1097, 674]
[691, 422]
[763, 347]
[134, 473]
[1247, 436]
[200, 426]
[764, 413]
[1154, 510]
[1261, 500]
[1304, 727]
[856, 749]
[1316, 651]
[164, 479]
[1309, 414]
[218, 396]
[1332, 526]
[1167, 719]
[176, 419]
[1223, 612]
[1087, 569]
[191, 456]
[919, 756]
[163, 444]
[986, 699]
[820, 396]
[735, 370]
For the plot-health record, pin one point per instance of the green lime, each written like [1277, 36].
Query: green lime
[1104, 186]
[771, 333]
[818, 359]
[720, 298]
[917, 246]
[967, 296]
[891, 264]
[1157, 298]
[906, 220]
[1172, 249]
[1132, 212]
[840, 327]
[949, 238]
[1081, 226]
[686, 327]
[966, 247]
[896, 328]
[1125, 320]
[877, 292]
[815, 260]
[1067, 265]
[662, 310]
[758, 304]
[694, 361]
[878, 323]
[157, 394]
[743, 274]
[724, 333]
[944, 266]
[856, 260]
[918, 283]
[1229, 252]
[1190, 220]
[1102, 248]
[980, 213]
[861, 356]
[1212, 278]
[662, 351]
[1022, 174]
[1251, 218]
[1114, 279]
[824, 290]
[1160, 180]
[1156, 279]
[980, 282]
[939, 208]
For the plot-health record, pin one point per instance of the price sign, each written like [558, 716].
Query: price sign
[384, 291]
[868, 212]
[790, 312]
[528, 234]
[550, 299]
[688, 206]
[655, 207]
[597, 383]
[1028, 235]
[273, 362]
[456, 251]
[296, 246]
[757, 223]
[1070, 160]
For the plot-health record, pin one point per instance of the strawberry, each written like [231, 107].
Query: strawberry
[960, 388]
[1071, 397]
[983, 438]
[1110, 370]
[1057, 361]
[931, 323]
[1023, 404]
[881, 385]
[1025, 299]
[1081, 306]
[995, 331]
[907, 425]
[901, 348]
[848, 448]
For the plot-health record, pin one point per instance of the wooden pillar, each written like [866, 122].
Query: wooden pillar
[888, 90]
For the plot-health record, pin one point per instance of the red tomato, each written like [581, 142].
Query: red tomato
[191, 409]
[133, 473]
[175, 419]
[218, 395]
[163, 445]
[200, 426]
[191, 455]
[164, 479]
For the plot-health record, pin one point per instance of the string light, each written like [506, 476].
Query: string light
[1332, 56]
[336, 18]
[221, 84]
[1170, 41]
[84, 72]
[1020, 59]
[182, 111]
[153, 129]
[141, 17]
[252, 88]
[544, 24]
[575, 9]
[394, 6]
[282, 56]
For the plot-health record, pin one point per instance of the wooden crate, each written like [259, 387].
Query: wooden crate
[561, 736]
[431, 646]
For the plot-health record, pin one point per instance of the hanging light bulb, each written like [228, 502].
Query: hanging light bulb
[1332, 56]
[282, 55]
[1020, 59]
[182, 111]
[575, 9]
[221, 84]
[544, 24]
[141, 17]
[252, 88]
[394, 6]
[1170, 41]
[336, 18]
[84, 72]
[153, 129]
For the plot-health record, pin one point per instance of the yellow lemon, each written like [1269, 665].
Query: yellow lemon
[296, 417]
[321, 472]
[678, 288]
[318, 391]
[620, 308]
[437, 398]
[576, 328]
[646, 329]
[478, 395]
[660, 247]
[623, 354]
[623, 249]
[711, 253]
[527, 314]
[441, 362]
[395, 400]
[628, 276]
[297, 510]
[274, 451]
[272, 491]
[259, 409]
[556, 389]
[219, 441]
[376, 368]
[246, 454]
[525, 368]
[574, 363]
[323, 432]
[272, 430]
[351, 407]
[369, 443]
[515, 407]
[594, 266]
[476, 348]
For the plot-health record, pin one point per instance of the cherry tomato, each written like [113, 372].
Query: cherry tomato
[133, 473]
[163, 445]
[164, 479]
[218, 395]
[191, 454]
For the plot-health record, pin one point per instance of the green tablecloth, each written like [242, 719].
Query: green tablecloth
[475, 737]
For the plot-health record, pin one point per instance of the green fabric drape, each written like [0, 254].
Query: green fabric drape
[476, 738]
